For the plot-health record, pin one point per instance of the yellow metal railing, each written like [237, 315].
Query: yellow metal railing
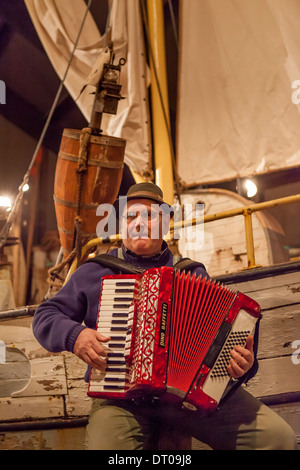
[246, 211]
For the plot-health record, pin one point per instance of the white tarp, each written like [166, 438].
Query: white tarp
[238, 61]
[58, 22]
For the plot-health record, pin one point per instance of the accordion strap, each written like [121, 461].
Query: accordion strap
[116, 263]
[120, 264]
[186, 264]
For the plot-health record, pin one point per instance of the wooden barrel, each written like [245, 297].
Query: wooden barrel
[101, 180]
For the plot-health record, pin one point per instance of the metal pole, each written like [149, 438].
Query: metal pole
[249, 239]
[160, 102]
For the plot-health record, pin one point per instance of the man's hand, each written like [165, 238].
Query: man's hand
[89, 349]
[242, 359]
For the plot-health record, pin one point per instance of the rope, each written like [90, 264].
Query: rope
[83, 151]
[54, 278]
[81, 171]
[78, 238]
[174, 27]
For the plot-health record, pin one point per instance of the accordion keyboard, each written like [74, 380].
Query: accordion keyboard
[114, 321]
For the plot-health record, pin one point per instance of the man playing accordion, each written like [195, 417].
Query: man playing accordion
[240, 422]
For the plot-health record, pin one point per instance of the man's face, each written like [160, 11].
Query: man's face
[143, 227]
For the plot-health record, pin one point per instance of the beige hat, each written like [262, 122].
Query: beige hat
[143, 191]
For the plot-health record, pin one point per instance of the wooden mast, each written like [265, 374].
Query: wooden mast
[159, 94]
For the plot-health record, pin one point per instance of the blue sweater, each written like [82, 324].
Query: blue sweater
[58, 321]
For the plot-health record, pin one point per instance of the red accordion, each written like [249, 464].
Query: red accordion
[171, 336]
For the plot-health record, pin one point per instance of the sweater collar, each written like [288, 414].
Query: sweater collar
[159, 259]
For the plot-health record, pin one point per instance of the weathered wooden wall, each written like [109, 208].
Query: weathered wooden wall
[39, 389]
[277, 382]
[279, 297]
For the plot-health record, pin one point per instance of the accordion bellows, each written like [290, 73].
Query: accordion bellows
[171, 337]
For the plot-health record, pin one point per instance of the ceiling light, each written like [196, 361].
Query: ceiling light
[251, 188]
[5, 202]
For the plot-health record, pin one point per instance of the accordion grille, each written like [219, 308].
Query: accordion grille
[199, 307]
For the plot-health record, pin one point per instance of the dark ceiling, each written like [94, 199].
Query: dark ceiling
[31, 82]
